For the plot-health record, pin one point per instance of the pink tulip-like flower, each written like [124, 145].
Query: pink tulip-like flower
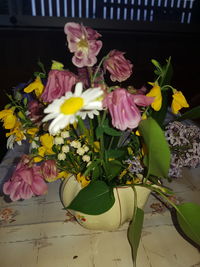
[119, 67]
[122, 107]
[36, 110]
[82, 41]
[25, 182]
[59, 82]
[49, 170]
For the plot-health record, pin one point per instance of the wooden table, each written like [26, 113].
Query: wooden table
[37, 232]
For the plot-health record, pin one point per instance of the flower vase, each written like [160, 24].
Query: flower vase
[111, 220]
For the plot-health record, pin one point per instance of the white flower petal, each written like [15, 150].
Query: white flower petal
[93, 105]
[78, 89]
[50, 116]
[54, 106]
[92, 94]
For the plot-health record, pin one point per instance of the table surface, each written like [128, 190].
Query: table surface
[38, 232]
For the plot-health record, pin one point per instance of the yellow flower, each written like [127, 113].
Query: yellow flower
[63, 174]
[96, 146]
[84, 181]
[17, 131]
[36, 86]
[156, 93]
[32, 131]
[8, 118]
[178, 101]
[41, 153]
[47, 142]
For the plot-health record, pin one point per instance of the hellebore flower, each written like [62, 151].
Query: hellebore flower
[82, 41]
[119, 67]
[59, 82]
[25, 182]
[178, 101]
[122, 107]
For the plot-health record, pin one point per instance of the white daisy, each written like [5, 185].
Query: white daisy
[64, 111]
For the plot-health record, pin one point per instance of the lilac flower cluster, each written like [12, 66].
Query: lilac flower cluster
[184, 142]
[135, 166]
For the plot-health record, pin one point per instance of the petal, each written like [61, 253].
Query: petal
[78, 89]
[39, 187]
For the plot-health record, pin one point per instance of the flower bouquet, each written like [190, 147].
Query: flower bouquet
[86, 124]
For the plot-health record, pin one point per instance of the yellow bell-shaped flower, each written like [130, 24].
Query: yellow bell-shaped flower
[156, 93]
[178, 101]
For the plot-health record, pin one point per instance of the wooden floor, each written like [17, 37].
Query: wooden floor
[37, 232]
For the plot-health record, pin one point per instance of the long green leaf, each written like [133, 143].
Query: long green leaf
[134, 232]
[189, 220]
[158, 153]
[191, 114]
[94, 199]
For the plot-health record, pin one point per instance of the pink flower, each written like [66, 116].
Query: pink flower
[122, 107]
[49, 170]
[25, 182]
[36, 110]
[119, 67]
[82, 41]
[59, 82]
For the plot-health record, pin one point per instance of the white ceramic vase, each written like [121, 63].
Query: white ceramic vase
[120, 212]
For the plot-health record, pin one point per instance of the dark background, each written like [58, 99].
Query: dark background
[21, 47]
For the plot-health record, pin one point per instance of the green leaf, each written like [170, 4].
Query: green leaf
[191, 114]
[189, 220]
[134, 231]
[114, 153]
[158, 153]
[92, 166]
[94, 199]
[113, 168]
[99, 131]
[111, 131]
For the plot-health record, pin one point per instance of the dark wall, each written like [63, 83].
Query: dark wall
[20, 50]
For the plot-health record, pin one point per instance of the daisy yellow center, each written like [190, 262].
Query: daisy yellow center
[72, 105]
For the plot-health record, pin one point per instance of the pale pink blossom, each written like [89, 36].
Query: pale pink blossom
[25, 182]
[82, 41]
[119, 67]
[59, 82]
[49, 170]
[123, 110]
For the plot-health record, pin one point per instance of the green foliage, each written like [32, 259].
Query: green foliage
[94, 199]
[113, 168]
[164, 74]
[105, 128]
[191, 114]
[158, 153]
[134, 232]
[188, 216]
